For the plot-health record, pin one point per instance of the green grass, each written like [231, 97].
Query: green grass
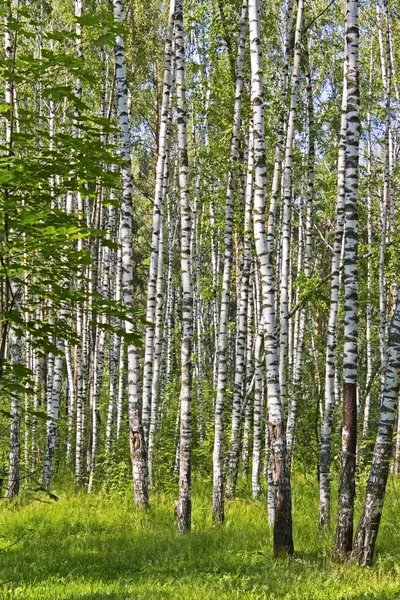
[98, 548]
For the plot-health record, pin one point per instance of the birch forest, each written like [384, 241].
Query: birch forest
[200, 299]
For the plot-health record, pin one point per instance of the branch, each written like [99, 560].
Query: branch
[318, 16]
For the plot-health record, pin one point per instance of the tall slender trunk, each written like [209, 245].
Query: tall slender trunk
[71, 400]
[344, 529]
[100, 344]
[80, 326]
[240, 362]
[53, 409]
[158, 211]
[169, 307]
[331, 343]
[368, 328]
[14, 341]
[258, 412]
[14, 472]
[37, 371]
[218, 476]
[184, 504]
[121, 386]
[136, 434]
[283, 537]
[215, 280]
[367, 530]
[114, 280]
[158, 329]
[286, 210]
[301, 321]
[249, 374]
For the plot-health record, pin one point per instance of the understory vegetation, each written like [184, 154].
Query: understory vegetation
[97, 547]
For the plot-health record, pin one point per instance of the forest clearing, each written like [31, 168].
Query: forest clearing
[200, 299]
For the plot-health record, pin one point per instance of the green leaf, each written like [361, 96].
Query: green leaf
[108, 39]
[40, 414]
[89, 20]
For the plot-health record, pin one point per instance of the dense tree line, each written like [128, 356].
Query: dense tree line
[199, 251]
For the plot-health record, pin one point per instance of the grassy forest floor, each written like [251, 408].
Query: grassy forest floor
[97, 547]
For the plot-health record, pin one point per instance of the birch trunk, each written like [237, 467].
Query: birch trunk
[53, 408]
[14, 472]
[156, 255]
[258, 411]
[330, 368]
[218, 476]
[14, 341]
[367, 530]
[367, 406]
[184, 503]
[344, 529]
[71, 400]
[249, 376]
[37, 371]
[136, 434]
[286, 211]
[240, 362]
[80, 325]
[115, 340]
[283, 537]
[158, 341]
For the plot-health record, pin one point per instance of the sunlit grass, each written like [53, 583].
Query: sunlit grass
[98, 547]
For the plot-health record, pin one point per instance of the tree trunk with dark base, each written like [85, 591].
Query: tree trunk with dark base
[283, 538]
[344, 530]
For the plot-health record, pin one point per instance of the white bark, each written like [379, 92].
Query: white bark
[286, 211]
[53, 409]
[258, 412]
[184, 503]
[71, 399]
[14, 471]
[330, 368]
[240, 362]
[283, 540]
[156, 257]
[344, 529]
[137, 440]
[218, 477]
[367, 531]
[368, 329]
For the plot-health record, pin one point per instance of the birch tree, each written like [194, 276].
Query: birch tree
[286, 208]
[156, 263]
[368, 526]
[330, 370]
[184, 504]
[136, 434]
[218, 477]
[283, 537]
[344, 529]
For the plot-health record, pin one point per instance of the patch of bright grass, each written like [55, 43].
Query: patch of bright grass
[91, 547]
